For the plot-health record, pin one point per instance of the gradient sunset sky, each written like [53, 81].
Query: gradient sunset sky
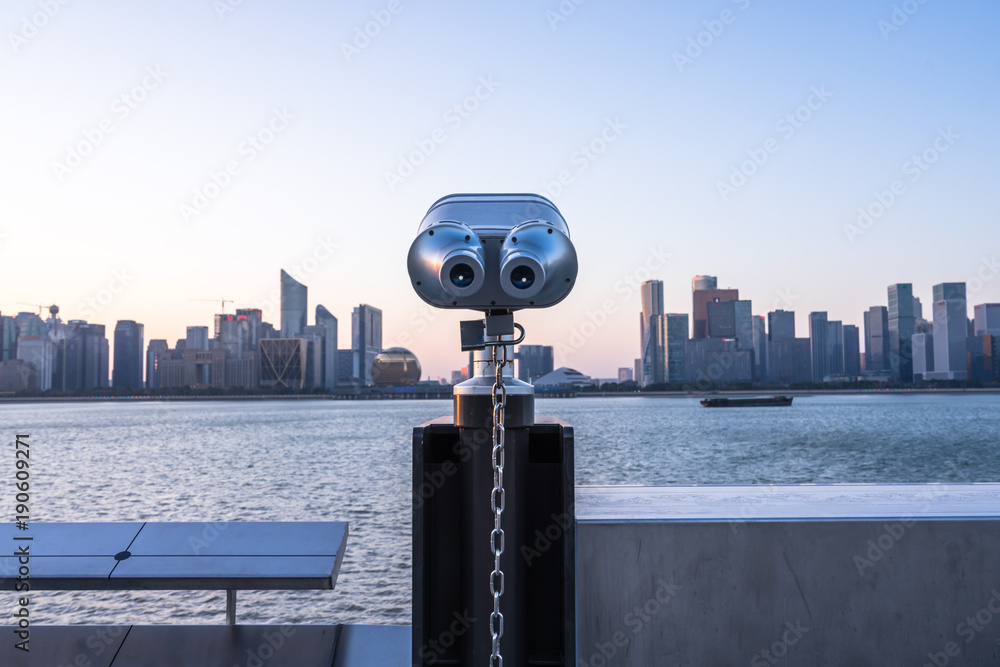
[729, 138]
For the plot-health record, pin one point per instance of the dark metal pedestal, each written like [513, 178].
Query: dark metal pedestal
[452, 520]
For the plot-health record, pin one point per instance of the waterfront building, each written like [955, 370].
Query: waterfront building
[704, 283]
[18, 375]
[81, 357]
[986, 319]
[876, 339]
[700, 300]
[366, 341]
[284, 362]
[155, 351]
[533, 361]
[395, 367]
[675, 346]
[564, 377]
[819, 350]
[294, 303]
[852, 350]
[951, 328]
[759, 348]
[835, 347]
[326, 320]
[35, 347]
[345, 366]
[780, 327]
[652, 333]
[922, 345]
[717, 361]
[8, 338]
[901, 328]
[625, 375]
[127, 370]
[983, 357]
[197, 338]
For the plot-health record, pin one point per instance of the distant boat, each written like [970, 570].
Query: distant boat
[759, 402]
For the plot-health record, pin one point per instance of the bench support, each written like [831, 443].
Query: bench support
[231, 607]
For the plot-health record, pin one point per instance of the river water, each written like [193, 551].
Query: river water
[351, 461]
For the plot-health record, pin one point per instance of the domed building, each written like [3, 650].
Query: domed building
[395, 366]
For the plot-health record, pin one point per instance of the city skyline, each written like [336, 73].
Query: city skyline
[810, 154]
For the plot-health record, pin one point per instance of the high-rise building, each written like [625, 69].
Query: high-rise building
[229, 333]
[701, 298]
[366, 341]
[987, 319]
[251, 323]
[717, 361]
[819, 351]
[637, 371]
[625, 375]
[34, 347]
[835, 347]
[901, 329]
[8, 338]
[675, 346]
[951, 328]
[760, 348]
[156, 352]
[294, 303]
[197, 338]
[983, 354]
[533, 361]
[127, 370]
[876, 339]
[852, 350]
[325, 319]
[780, 327]
[922, 345]
[654, 367]
[704, 282]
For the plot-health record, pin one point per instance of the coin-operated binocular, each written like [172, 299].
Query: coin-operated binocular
[491, 480]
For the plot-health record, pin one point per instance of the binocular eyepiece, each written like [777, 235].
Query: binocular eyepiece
[492, 252]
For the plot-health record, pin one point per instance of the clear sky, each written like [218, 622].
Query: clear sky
[729, 138]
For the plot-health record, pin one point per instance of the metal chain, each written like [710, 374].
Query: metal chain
[497, 503]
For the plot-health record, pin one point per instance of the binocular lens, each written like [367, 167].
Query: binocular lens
[461, 275]
[522, 277]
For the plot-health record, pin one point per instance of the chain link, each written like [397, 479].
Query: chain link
[497, 503]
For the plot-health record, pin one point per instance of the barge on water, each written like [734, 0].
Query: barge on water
[755, 402]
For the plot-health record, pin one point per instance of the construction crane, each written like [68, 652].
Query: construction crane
[223, 301]
[39, 306]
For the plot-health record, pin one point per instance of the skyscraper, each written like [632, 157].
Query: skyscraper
[876, 339]
[852, 350]
[922, 345]
[780, 345]
[676, 347]
[127, 370]
[8, 338]
[760, 348]
[818, 334]
[155, 352]
[987, 319]
[652, 353]
[35, 347]
[835, 347]
[951, 328]
[700, 299]
[197, 338]
[366, 341]
[704, 282]
[533, 361]
[901, 329]
[294, 303]
[325, 319]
